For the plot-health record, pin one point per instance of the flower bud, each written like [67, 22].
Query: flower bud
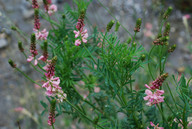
[167, 30]
[129, 40]
[167, 13]
[66, 37]
[12, 64]
[36, 19]
[63, 16]
[138, 25]
[54, 60]
[172, 48]
[35, 4]
[143, 56]
[134, 44]
[117, 26]
[14, 28]
[51, 118]
[110, 25]
[33, 38]
[20, 46]
[82, 14]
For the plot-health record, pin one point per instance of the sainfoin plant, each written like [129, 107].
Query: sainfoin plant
[75, 60]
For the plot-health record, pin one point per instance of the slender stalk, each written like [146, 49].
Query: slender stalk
[53, 127]
[27, 76]
[83, 114]
[163, 115]
[172, 96]
[173, 112]
[148, 62]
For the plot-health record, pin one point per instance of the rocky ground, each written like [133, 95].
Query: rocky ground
[15, 91]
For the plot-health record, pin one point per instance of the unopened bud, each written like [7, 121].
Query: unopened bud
[14, 28]
[129, 40]
[167, 13]
[167, 29]
[143, 56]
[134, 44]
[20, 46]
[33, 38]
[54, 60]
[117, 26]
[63, 16]
[110, 25]
[12, 64]
[138, 25]
[172, 48]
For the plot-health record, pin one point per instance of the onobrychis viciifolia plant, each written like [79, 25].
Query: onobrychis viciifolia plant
[91, 78]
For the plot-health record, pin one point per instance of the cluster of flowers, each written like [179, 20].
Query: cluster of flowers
[52, 83]
[81, 33]
[49, 7]
[155, 126]
[153, 93]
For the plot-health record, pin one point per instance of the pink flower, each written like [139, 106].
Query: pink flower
[61, 96]
[155, 126]
[42, 35]
[18, 109]
[84, 35]
[148, 26]
[49, 1]
[153, 98]
[52, 86]
[42, 58]
[30, 58]
[77, 42]
[50, 68]
[80, 24]
[96, 89]
[77, 33]
[189, 120]
[187, 16]
[52, 9]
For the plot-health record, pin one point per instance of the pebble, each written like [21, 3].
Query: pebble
[3, 43]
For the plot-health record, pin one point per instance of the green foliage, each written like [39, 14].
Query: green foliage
[108, 68]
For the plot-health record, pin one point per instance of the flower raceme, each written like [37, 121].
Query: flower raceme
[33, 50]
[81, 33]
[153, 93]
[52, 83]
[50, 9]
[154, 97]
[158, 82]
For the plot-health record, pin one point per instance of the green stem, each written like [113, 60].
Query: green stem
[163, 115]
[148, 62]
[83, 114]
[172, 96]
[89, 53]
[27, 76]
[173, 112]
[53, 127]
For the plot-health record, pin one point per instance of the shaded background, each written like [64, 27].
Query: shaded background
[16, 91]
